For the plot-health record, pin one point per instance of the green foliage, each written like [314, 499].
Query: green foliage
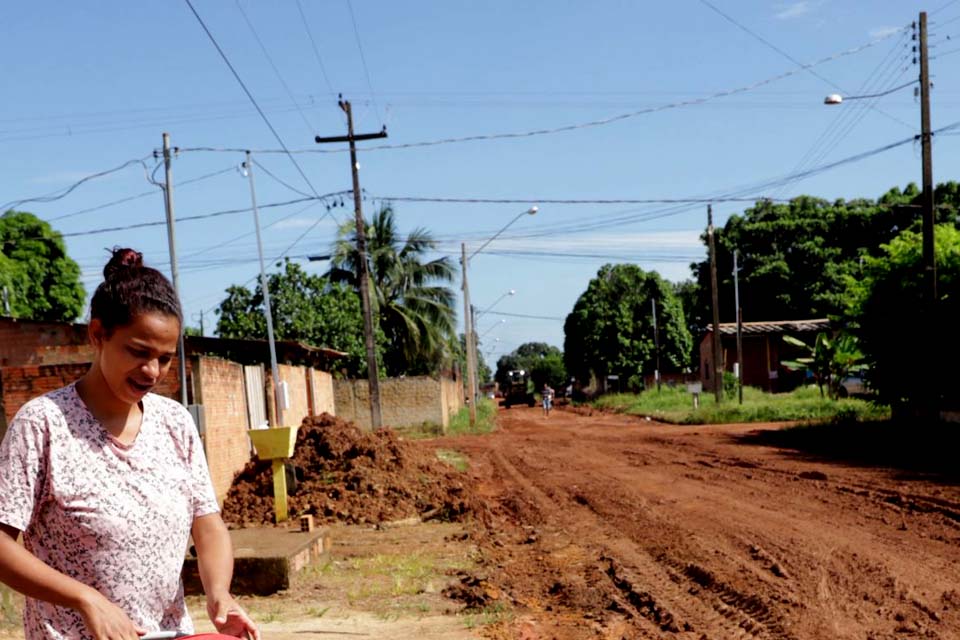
[610, 330]
[542, 361]
[411, 301]
[458, 349]
[306, 308]
[830, 359]
[675, 405]
[797, 257]
[886, 307]
[41, 280]
[486, 419]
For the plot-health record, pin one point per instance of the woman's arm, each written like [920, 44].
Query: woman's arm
[24, 572]
[215, 563]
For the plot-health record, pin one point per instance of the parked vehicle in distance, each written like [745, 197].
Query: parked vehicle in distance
[517, 391]
[852, 385]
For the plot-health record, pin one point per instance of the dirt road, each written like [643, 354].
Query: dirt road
[608, 526]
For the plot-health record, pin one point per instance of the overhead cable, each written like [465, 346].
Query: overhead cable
[573, 127]
[252, 99]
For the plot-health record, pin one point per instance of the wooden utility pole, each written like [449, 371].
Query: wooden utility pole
[715, 301]
[656, 344]
[363, 268]
[172, 242]
[736, 308]
[932, 405]
[468, 341]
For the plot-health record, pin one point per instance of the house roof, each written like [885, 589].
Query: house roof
[258, 351]
[775, 326]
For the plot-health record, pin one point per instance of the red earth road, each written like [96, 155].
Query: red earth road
[614, 527]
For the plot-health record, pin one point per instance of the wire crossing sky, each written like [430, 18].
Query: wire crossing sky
[619, 120]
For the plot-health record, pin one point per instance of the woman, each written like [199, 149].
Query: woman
[106, 481]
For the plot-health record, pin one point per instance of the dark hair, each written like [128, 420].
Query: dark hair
[129, 289]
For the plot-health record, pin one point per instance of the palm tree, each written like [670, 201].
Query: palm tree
[414, 306]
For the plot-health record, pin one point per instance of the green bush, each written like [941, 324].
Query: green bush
[486, 419]
[675, 405]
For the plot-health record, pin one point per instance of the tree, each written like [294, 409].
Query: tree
[886, 312]
[409, 296]
[796, 257]
[830, 359]
[542, 361]
[610, 330]
[41, 281]
[306, 308]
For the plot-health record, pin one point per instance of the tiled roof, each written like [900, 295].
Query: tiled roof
[778, 326]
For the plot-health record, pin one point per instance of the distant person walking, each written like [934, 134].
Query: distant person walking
[547, 399]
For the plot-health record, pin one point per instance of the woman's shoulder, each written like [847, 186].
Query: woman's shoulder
[169, 411]
[52, 404]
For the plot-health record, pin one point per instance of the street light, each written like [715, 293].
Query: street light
[511, 292]
[529, 212]
[931, 403]
[491, 328]
[469, 336]
[836, 98]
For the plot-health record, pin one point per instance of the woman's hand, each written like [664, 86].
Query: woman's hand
[230, 619]
[107, 621]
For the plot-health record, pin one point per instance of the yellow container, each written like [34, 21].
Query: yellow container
[274, 443]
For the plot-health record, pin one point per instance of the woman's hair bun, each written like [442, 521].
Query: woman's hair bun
[121, 260]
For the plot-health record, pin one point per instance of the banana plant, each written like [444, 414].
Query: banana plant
[830, 359]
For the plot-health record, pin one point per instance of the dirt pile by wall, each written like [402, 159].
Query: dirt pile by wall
[348, 475]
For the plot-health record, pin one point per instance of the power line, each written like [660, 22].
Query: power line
[523, 315]
[363, 59]
[273, 66]
[65, 192]
[786, 55]
[252, 99]
[138, 196]
[700, 200]
[316, 51]
[571, 127]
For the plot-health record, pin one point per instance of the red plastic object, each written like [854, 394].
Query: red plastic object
[208, 636]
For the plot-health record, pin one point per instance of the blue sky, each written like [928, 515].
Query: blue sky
[89, 87]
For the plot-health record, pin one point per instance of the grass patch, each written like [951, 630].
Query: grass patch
[486, 419]
[675, 405]
[421, 431]
[453, 458]
[492, 614]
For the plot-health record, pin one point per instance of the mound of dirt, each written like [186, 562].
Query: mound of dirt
[345, 474]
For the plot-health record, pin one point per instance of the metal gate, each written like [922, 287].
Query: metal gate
[256, 396]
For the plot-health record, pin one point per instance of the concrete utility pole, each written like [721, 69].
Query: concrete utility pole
[468, 341]
[656, 344]
[736, 308]
[929, 217]
[172, 241]
[717, 355]
[373, 375]
[279, 392]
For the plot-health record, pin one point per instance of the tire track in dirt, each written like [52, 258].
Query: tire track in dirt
[668, 599]
[690, 534]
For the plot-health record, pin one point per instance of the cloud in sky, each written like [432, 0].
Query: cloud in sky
[882, 32]
[793, 10]
[61, 177]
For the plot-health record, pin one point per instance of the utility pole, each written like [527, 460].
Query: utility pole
[468, 338]
[172, 241]
[736, 307]
[279, 394]
[363, 275]
[717, 355]
[656, 344]
[929, 216]
[476, 357]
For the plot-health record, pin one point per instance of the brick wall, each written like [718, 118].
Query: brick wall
[404, 402]
[219, 387]
[296, 379]
[20, 384]
[321, 392]
[24, 342]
